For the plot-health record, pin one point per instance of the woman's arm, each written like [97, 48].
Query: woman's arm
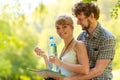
[46, 62]
[82, 56]
[42, 54]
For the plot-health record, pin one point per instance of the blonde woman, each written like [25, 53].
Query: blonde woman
[73, 58]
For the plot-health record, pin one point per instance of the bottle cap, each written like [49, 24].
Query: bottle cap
[51, 37]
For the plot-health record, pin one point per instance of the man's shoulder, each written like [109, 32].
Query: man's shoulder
[80, 35]
[105, 34]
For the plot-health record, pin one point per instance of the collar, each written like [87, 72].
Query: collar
[96, 34]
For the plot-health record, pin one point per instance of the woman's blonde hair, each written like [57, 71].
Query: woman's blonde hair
[64, 20]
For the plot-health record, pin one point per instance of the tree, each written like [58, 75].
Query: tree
[115, 11]
[18, 40]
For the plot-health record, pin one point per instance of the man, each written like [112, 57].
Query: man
[99, 42]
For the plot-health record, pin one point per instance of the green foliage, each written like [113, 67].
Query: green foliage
[17, 42]
[4, 27]
[89, 0]
[20, 33]
[4, 70]
[115, 11]
[41, 8]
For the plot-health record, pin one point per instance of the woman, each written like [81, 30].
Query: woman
[73, 59]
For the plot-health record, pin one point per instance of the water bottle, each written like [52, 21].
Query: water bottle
[52, 51]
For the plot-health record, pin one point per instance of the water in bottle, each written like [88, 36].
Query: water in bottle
[52, 51]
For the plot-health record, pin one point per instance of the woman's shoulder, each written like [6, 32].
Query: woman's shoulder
[78, 44]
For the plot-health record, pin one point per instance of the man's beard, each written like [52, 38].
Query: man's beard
[88, 26]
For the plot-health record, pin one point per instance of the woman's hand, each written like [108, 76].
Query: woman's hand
[42, 54]
[39, 52]
[55, 60]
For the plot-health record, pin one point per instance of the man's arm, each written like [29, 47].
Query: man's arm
[94, 72]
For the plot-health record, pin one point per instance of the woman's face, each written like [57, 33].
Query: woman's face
[64, 31]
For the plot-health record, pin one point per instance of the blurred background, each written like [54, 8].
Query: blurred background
[25, 24]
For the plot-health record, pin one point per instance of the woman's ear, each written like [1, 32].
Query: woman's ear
[72, 27]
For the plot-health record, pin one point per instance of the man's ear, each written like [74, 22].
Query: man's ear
[91, 15]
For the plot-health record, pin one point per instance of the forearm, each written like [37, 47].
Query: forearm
[46, 61]
[93, 73]
[41, 53]
[77, 68]
[98, 70]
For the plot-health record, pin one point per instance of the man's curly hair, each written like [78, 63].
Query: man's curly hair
[86, 8]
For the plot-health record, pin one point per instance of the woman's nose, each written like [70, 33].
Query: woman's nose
[61, 30]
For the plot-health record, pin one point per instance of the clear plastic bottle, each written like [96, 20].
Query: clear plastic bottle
[52, 51]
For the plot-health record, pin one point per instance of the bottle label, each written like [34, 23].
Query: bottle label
[53, 50]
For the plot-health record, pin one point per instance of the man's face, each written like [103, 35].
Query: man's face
[83, 21]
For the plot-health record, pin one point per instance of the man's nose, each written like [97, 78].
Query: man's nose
[78, 22]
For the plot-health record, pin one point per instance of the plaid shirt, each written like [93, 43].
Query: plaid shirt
[100, 45]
